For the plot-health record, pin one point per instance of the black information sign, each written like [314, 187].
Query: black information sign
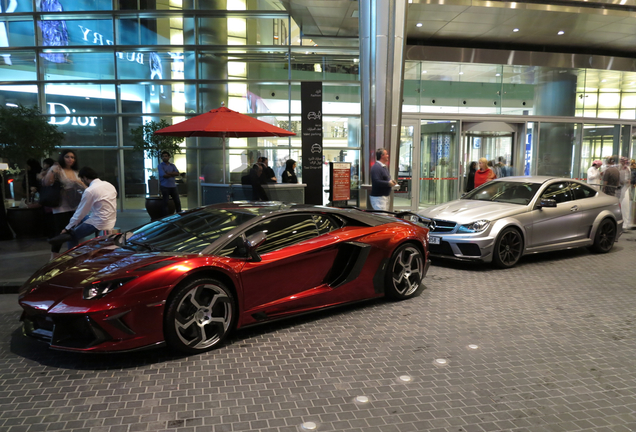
[311, 101]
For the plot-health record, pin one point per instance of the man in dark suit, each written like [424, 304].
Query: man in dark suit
[381, 182]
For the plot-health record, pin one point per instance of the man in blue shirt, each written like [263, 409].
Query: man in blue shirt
[168, 185]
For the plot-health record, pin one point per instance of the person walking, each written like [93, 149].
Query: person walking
[97, 211]
[168, 184]
[381, 182]
[484, 174]
[64, 171]
[594, 174]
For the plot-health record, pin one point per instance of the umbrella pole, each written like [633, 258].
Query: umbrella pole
[223, 164]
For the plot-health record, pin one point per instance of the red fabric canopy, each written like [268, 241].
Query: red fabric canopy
[223, 122]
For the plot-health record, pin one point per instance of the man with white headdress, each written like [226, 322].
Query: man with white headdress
[594, 174]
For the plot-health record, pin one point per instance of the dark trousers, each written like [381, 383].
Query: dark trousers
[60, 220]
[168, 192]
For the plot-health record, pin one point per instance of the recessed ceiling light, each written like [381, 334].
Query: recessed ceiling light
[515, 30]
[498, 74]
[426, 72]
[419, 25]
[461, 73]
[561, 32]
[603, 80]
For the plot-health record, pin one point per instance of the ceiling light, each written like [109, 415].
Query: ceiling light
[461, 73]
[515, 30]
[498, 74]
[418, 25]
[603, 80]
[561, 32]
[426, 72]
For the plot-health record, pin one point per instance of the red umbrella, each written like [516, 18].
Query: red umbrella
[223, 122]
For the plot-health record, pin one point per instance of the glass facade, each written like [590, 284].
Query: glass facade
[98, 68]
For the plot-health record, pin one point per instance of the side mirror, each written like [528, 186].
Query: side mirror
[547, 202]
[253, 242]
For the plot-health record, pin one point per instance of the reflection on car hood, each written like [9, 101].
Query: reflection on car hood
[466, 211]
[88, 264]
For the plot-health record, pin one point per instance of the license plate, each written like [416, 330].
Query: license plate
[434, 240]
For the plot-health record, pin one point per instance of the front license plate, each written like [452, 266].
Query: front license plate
[434, 240]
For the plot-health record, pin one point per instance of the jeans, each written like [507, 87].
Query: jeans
[79, 232]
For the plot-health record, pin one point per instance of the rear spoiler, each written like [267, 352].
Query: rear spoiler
[404, 215]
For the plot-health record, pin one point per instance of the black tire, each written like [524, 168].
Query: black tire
[508, 248]
[605, 236]
[404, 273]
[199, 315]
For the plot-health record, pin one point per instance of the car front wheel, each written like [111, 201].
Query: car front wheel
[199, 316]
[405, 272]
[508, 248]
[605, 236]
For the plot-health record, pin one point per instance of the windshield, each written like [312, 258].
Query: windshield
[504, 191]
[189, 232]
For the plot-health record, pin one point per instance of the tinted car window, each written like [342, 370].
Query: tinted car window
[581, 191]
[189, 232]
[504, 191]
[560, 192]
[285, 231]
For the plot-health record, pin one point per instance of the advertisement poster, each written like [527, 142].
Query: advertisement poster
[311, 125]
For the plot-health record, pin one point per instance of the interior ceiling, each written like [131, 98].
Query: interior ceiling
[601, 27]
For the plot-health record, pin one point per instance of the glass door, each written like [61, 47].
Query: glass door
[404, 198]
[439, 164]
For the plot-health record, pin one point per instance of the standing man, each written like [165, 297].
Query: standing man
[268, 175]
[168, 184]
[97, 210]
[381, 182]
[594, 174]
[611, 178]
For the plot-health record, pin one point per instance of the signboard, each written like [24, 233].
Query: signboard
[340, 175]
[311, 126]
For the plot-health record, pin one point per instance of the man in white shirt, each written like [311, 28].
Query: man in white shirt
[97, 210]
[594, 174]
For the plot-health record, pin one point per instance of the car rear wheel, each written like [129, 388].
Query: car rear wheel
[508, 248]
[405, 272]
[605, 236]
[199, 316]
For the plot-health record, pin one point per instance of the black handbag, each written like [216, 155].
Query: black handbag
[50, 196]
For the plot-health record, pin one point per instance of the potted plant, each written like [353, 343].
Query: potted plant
[24, 133]
[145, 140]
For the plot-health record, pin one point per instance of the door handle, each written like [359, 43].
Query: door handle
[574, 208]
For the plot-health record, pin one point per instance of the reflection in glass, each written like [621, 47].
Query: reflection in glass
[556, 142]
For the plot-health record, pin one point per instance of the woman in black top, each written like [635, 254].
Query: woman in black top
[289, 175]
[470, 183]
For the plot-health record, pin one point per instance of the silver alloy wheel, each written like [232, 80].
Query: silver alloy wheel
[406, 274]
[203, 316]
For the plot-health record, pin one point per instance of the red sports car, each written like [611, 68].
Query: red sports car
[189, 279]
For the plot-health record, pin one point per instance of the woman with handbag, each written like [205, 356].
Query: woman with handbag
[64, 174]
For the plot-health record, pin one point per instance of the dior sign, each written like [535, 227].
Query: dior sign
[69, 119]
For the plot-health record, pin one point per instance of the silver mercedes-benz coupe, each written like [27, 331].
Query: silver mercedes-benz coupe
[504, 219]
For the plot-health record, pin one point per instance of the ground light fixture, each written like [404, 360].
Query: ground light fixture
[362, 399]
[309, 426]
[405, 378]
[440, 362]
[515, 30]
[473, 346]
[561, 32]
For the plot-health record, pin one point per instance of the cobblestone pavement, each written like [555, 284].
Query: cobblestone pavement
[555, 352]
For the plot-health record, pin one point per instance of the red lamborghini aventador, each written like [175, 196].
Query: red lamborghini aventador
[189, 279]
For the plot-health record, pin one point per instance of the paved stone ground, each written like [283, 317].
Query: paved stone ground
[556, 352]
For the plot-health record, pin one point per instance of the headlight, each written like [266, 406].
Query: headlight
[99, 289]
[474, 227]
